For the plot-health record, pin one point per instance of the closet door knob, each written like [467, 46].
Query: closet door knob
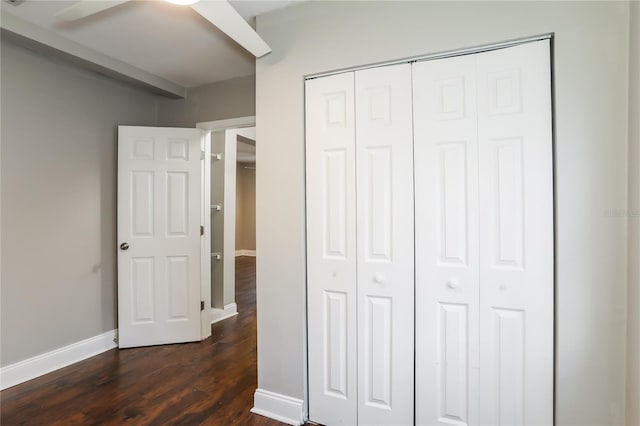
[124, 246]
[453, 284]
[379, 278]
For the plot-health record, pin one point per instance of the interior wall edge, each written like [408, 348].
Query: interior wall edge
[633, 215]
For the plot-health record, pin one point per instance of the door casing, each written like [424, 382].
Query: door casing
[209, 127]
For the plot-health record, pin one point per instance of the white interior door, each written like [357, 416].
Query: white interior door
[331, 250]
[516, 235]
[158, 235]
[447, 275]
[384, 165]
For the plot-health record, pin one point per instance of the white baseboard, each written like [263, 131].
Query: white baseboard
[278, 407]
[220, 314]
[246, 253]
[39, 365]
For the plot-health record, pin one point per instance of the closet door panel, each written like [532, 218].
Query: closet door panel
[384, 164]
[331, 249]
[516, 235]
[446, 203]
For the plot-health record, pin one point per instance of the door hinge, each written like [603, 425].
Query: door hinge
[202, 155]
[201, 230]
[202, 305]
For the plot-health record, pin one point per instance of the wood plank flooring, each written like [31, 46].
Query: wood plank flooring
[209, 383]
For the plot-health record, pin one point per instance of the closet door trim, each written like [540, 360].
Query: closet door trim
[438, 55]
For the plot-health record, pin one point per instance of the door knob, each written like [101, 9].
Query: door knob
[453, 284]
[124, 246]
[378, 278]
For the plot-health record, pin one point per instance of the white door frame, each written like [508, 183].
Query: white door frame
[205, 284]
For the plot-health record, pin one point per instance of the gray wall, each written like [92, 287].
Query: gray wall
[591, 66]
[245, 207]
[217, 220]
[633, 297]
[58, 195]
[59, 200]
[217, 101]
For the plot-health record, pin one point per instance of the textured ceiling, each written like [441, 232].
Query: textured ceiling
[169, 41]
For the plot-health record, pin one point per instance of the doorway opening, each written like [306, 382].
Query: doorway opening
[246, 196]
[228, 209]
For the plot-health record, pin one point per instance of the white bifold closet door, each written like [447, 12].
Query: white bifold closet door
[484, 238]
[331, 250]
[360, 278]
[384, 170]
[447, 282]
[516, 235]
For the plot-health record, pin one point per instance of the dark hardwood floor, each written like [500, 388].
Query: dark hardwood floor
[210, 382]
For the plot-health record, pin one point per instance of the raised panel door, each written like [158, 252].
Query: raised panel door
[384, 168]
[446, 197]
[331, 250]
[516, 235]
[159, 219]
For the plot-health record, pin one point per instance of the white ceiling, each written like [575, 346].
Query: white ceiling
[172, 42]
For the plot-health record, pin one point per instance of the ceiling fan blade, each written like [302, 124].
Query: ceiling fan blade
[221, 14]
[85, 8]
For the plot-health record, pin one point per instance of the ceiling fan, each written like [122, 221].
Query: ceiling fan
[219, 12]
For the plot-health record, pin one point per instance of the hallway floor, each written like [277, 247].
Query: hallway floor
[209, 383]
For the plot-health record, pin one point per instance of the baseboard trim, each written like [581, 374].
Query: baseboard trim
[221, 314]
[278, 407]
[246, 253]
[40, 365]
